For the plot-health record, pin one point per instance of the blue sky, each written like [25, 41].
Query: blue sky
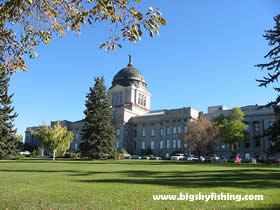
[205, 56]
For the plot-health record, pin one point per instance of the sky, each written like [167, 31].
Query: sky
[205, 56]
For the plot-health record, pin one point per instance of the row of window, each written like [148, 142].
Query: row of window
[175, 130]
[117, 99]
[141, 99]
[176, 144]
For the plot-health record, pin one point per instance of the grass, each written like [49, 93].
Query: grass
[130, 184]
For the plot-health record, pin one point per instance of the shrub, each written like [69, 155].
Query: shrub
[34, 153]
[39, 151]
[19, 157]
[67, 155]
[117, 156]
[123, 151]
[71, 155]
[74, 155]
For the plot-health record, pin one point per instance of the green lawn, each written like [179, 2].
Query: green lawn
[125, 184]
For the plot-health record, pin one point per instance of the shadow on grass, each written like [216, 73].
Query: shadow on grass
[240, 178]
[140, 162]
[235, 178]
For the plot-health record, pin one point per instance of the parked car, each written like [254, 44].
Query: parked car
[231, 159]
[235, 159]
[127, 156]
[152, 157]
[249, 160]
[202, 158]
[177, 157]
[192, 158]
[272, 160]
[135, 157]
[222, 160]
[238, 160]
[211, 158]
[24, 153]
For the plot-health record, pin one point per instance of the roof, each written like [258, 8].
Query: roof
[128, 74]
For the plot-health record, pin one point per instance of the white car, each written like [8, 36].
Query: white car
[24, 153]
[177, 157]
[192, 158]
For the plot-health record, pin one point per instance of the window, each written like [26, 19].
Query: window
[143, 132]
[179, 143]
[247, 127]
[167, 155]
[247, 155]
[121, 99]
[76, 136]
[161, 144]
[174, 130]
[143, 145]
[139, 100]
[118, 132]
[179, 129]
[223, 146]
[168, 130]
[257, 126]
[258, 141]
[152, 145]
[117, 144]
[185, 129]
[174, 144]
[113, 99]
[167, 144]
[144, 101]
[126, 132]
[76, 147]
[185, 145]
[117, 100]
[161, 131]
[153, 132]
[135, 133]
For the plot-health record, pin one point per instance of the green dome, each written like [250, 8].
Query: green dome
[129, 75]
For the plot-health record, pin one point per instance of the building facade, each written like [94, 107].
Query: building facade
[140, 130]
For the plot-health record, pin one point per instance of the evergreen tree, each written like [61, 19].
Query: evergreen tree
[272, 68]
[273, 132]
[8, 139]
[98, 138]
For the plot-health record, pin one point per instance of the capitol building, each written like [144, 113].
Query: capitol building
[138, 128]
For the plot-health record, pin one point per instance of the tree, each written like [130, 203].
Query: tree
[55, 139]
[98, 137]
[274, 134]
[273, 67]
[25, 24]
[8, 138]
[231, 129]
[201, 133]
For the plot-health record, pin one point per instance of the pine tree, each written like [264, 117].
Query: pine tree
[98, 137]
[8, 140]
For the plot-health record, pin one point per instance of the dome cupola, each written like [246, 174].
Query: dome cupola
[128, 76]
